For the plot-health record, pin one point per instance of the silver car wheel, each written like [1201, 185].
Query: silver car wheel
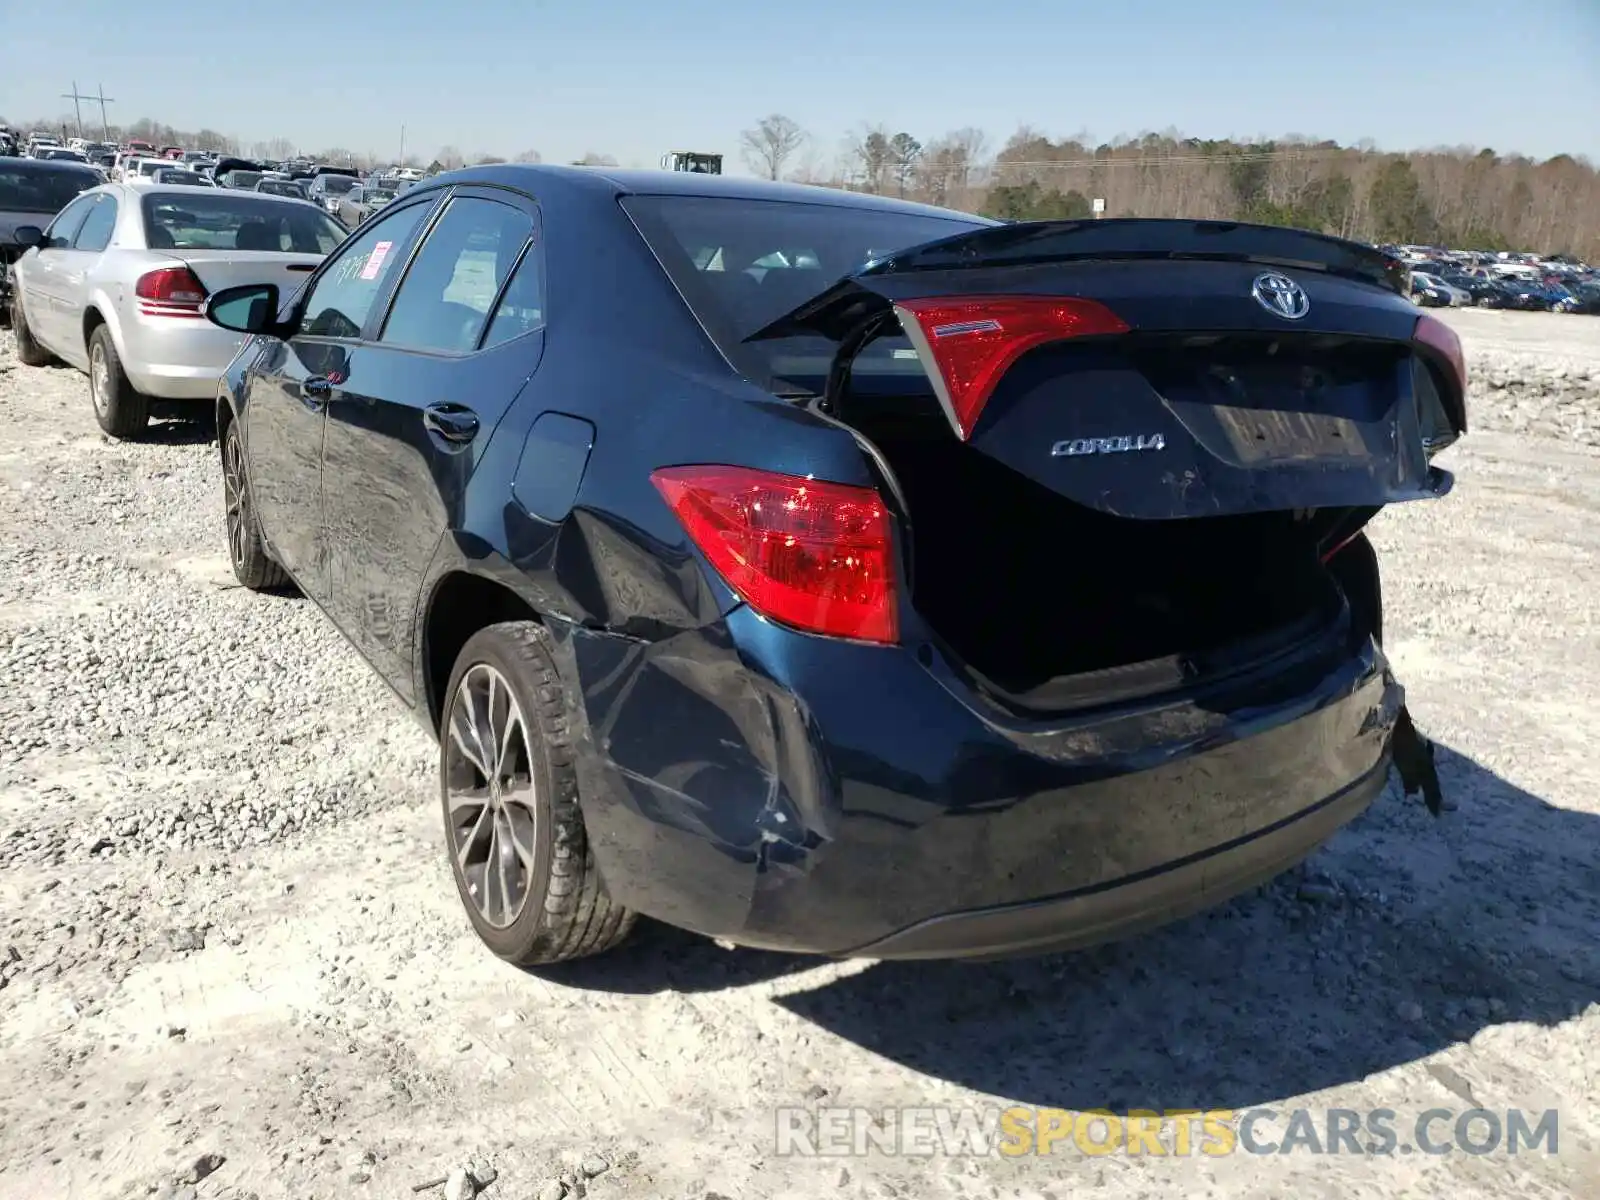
[99, 378]
[491, 796]
[235, 494]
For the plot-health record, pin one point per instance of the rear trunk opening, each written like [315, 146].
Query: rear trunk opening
[1051, 604]
[1121, 447]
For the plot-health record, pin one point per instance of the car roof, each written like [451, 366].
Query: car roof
[46, 165]
[187, 191]
[617, 181]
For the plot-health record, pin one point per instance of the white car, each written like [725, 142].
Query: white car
[117, 286]
[178, 177]
[144, 170]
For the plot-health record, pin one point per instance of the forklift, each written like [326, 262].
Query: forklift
[691, 160]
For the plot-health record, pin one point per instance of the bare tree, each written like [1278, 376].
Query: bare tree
[486, 160]
[449, 158]
[969, 146]
[768, 147]
[591, 159]
[528, 156]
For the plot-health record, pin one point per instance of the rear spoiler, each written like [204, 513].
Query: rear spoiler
[835, 313]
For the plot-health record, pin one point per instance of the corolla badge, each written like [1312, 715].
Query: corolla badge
[1280, 296]
[1124, 444]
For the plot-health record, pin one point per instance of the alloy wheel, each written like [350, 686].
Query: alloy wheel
[235, 492]
[490, 795]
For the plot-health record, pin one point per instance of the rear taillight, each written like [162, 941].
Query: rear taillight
[170, 292]
[1442, 340]
[815, 556]
[967, 343]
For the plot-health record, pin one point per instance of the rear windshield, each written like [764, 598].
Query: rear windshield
[337, 185]
[207, 219]
[282, 187]
[243, 179]
[41, 191]
[741, 264]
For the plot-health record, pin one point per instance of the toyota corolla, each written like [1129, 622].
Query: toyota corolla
[835, 574]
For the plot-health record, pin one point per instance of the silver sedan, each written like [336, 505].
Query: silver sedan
[117, 284]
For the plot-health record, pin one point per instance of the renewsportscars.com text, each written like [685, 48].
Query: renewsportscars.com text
[1018, 1131]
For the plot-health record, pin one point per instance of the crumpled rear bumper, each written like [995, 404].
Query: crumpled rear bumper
[800, 793]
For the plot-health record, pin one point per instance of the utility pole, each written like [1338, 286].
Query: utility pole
[99, 97]
[402, 146]
[105, 126]
[76, 108]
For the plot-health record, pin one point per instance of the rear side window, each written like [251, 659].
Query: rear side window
[97, 228]
[450, 290]
[741, 264]
[521, 309]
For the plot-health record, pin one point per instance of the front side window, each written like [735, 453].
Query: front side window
[447, 296]
[341, 299]
[95, 235]
[68, 221]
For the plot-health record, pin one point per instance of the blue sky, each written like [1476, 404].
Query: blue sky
[634, 78]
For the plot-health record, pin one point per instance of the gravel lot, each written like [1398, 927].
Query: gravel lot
[227, 930]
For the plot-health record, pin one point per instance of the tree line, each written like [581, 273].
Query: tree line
[1460, 197]
[1465, 197]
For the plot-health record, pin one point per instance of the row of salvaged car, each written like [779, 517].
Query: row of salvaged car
[340, 191]
[1456, 288]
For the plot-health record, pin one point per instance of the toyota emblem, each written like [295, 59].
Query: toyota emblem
[1280, 296]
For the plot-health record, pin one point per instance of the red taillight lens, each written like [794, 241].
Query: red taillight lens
[1442, 340]
[170, 292]
[968, 343]
[815, 556]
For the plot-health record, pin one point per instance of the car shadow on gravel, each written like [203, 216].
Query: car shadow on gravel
[1404, 936]
[175, 423]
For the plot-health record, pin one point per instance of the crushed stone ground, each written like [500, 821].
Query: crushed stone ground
[232, 962]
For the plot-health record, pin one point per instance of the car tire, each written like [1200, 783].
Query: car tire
[553, 907]
[119, 407]
[29, 352]
[1355, 569]
[253, 566]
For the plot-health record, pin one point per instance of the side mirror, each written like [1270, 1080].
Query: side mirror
[28, 236]
[248, 308]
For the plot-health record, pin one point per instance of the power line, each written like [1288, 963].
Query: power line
[99, 97]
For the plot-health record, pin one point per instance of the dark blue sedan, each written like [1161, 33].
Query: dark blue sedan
[830, 573]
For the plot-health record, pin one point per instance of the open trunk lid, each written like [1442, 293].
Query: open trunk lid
[1166, 369]
[219, 269]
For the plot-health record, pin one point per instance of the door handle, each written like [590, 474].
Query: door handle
[451, 422]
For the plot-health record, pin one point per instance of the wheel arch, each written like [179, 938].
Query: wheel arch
[461, 602]
[100, 311]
